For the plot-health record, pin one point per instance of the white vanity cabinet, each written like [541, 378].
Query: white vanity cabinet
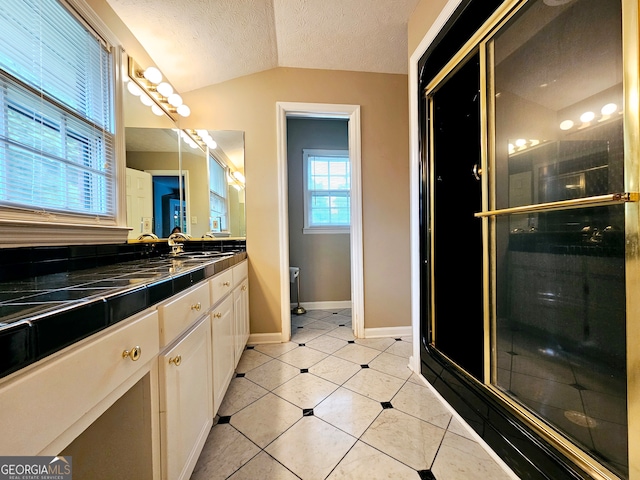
[230, 326]
[49, 404]
[185, 400]
[223, 349]
[240, 309]
[143, 391]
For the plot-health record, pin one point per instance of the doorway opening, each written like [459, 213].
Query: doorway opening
[168, 209]
[350, 114]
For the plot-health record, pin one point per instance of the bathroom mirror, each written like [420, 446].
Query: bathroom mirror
[162, 169]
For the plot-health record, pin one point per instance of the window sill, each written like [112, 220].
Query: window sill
[326, 230]
[18, 233]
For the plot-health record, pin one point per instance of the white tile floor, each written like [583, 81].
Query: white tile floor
[329, 406]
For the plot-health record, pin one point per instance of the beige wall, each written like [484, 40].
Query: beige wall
[249, 103]
[421, 20]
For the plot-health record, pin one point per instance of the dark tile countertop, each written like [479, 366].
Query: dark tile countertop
[43, 314]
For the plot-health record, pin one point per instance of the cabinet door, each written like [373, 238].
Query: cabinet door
[185, 401]
[222, 332]
[241, 318]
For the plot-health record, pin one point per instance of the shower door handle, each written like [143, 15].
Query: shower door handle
[477, 171]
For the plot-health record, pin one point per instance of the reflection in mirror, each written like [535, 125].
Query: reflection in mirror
[169, 182]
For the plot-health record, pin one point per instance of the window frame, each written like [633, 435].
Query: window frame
[307, 193]
[37, 227]
[225, 198]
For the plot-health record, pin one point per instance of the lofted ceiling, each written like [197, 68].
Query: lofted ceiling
[197, 43]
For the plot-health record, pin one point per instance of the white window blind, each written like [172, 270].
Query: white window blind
[327, 190]
[218, 193]
[56, 118]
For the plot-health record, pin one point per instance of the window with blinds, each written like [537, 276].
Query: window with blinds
[327, 191]
[56, 117]
[218, 196]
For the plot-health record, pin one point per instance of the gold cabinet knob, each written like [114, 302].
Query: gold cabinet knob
[244, 287]
[197, 307]
[217, 315]
[134, 354]
[177, 360]
[226, 284]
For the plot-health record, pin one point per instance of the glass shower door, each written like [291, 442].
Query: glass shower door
[558, 221]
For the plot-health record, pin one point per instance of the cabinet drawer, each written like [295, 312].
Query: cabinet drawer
[179, 313]
[42, 404]
[240, 272]
[221, 285]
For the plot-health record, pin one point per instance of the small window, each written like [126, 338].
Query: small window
[218, 197]
[327, 191]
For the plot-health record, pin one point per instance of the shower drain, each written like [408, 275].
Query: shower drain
[580, 418]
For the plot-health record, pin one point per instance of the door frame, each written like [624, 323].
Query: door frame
[335, 111]
[186, 190]
[415, 173]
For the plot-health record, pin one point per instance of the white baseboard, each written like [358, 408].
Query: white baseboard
[341, 304]
[261, 338]
[395, 332]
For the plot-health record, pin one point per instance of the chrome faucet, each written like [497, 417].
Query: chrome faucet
[176, 247]
[151, 236]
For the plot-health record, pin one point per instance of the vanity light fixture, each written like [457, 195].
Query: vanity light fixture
[148, 84]
[239, 177]
[607, 112]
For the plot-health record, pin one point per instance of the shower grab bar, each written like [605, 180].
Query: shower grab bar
[597, 201]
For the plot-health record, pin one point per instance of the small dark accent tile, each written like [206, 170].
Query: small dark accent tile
[250, 347]
[386, 405]
[301, 344]
[577, 386]
[364, 366]
[160, 291]
[304, 370]
[398, 339]
[58, 330]
[426, 475]
[123, 305]
[512, 353]
[351, 341]
[307, 412]
[16, 347]
[197, 275]
[223, 420]
[239, 375]
[300, 327]
[342, 325]
[335, 313]
[181, 282]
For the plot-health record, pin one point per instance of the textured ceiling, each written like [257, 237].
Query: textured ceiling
[202, 42]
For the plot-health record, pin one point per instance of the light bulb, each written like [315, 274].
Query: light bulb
[202, 133]
[153, 75]
[212, 144]
[157, 110]
[146, 100]
[521, 142]
[238, 176]
[165, 89]
[586, 117]
[134, 89]
[175, 100]
[566, 125]
[609, 108]
[183, 110]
